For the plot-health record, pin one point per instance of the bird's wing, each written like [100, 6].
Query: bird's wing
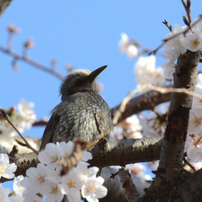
[102, 120]
[50, 130]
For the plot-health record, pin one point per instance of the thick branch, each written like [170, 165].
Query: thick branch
[185, 186]
[126, 151]
[176, 130]
[113, 153]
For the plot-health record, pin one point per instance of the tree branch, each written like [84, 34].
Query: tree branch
[142, 102]
[170, 166]
[3, 5]
[127, 183]
[113, 153]
[126, 151]
[32, 62]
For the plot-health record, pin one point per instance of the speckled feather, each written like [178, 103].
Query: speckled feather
[83, 115]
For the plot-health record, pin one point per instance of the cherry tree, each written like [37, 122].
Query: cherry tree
[168, 137]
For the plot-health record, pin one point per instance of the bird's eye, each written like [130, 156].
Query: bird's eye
[79, 82]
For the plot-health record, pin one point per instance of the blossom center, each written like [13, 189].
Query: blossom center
[150, 73]
[54, 190]
[71, 184]
[20, 188]
[24, 108]
[54, 158]
[158, 75]
[41, 179]
[91, 189]
[195, 42]
[85, 173]
[197, 121]
[3, 168]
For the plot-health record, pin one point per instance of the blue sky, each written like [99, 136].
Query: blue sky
[84, 34]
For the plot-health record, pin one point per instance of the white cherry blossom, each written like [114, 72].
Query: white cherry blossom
[6, 169]
[193, 41]
[132, 51]
[123, 43]
[93, 189]
[51, 154]
[17, 185]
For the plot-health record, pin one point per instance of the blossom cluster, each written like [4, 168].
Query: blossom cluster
[45, 179]
[126, 46]
[147, 124]
[144, 69]
[146, 72]
[177, 45]
[22, 119]
[152, 124]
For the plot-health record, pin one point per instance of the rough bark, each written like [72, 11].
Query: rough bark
[126, 151]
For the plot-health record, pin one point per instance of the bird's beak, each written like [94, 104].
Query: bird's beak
[95, 73]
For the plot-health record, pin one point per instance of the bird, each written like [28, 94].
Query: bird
[82, 113]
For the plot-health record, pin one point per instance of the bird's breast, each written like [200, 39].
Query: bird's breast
[83, 115]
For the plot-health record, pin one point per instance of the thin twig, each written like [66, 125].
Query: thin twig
[32, 62]
[187, 162]
[165, 22]
[143, 47]
[175, 35]
[187, 9]
[6, 117]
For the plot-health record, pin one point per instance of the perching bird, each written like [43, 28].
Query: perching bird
[82, 114]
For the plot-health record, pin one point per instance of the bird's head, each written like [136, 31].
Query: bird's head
[80, 80]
